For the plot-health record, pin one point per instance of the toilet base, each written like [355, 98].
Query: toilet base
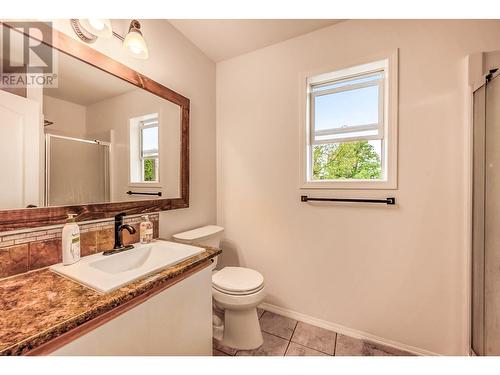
[241, 322]
[217, 327]
[242, 329]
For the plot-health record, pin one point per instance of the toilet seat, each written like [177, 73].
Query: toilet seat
[244, 293]
[237, 281]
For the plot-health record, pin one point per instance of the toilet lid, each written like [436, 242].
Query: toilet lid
[196, 234]
[237, 279]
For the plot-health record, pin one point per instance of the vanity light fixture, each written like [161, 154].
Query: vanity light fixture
[134, 42]
[90, 29]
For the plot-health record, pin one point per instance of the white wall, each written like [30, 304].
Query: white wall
[178, 64]
[68, 118]
[396, 273]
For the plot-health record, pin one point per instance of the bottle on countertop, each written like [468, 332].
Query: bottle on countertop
[146, 230]
[70, 241]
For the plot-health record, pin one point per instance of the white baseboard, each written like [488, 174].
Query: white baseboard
[344, 330]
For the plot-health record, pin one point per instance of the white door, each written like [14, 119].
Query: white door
[20, 129]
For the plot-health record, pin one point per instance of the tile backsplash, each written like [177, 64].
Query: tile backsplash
[24, 251]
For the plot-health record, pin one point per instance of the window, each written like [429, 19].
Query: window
[144, 149]
[149, 150]
[351, 127]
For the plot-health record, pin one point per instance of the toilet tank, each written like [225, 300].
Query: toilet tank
[209, 235]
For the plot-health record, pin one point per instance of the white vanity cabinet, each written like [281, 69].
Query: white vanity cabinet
[176, 321]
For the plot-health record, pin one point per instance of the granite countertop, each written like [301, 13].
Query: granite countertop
[38, 306]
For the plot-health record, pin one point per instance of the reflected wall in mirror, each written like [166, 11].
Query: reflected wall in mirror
[95, 138]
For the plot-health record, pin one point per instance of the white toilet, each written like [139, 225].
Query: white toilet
[237, 290]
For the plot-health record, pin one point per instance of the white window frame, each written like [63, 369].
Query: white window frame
[146, 124]
[379, 125]
[136, 155]
[388, 122]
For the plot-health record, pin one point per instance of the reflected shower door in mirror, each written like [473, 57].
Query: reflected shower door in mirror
[77, 170]
[94, 138]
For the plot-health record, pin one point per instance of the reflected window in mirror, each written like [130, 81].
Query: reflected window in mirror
[145, 149]
[149, 154]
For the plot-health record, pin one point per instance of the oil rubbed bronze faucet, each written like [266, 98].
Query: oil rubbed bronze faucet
[119, 227]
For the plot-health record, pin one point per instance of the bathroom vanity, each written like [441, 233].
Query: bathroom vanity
[166, 313]
[176, 321]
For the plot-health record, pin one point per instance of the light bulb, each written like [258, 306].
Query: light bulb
[96, 24]
[135, 49]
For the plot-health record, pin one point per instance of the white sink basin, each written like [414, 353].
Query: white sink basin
[107, 273]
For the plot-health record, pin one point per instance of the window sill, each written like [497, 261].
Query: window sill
[350, 185]
[145, 185]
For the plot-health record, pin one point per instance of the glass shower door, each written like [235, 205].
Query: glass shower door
[492, 221]
[478, 221]
[77, 171]
[486, 221]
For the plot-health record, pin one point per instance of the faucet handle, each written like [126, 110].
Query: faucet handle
[120, 216]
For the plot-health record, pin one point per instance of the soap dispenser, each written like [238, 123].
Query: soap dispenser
[146, 230]
[70, 241]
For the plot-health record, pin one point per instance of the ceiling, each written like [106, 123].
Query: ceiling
[224, 39]
[84, 84]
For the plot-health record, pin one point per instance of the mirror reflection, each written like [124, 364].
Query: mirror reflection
[94, 138]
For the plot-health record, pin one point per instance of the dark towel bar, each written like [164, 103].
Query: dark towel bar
[139, 193]
[305, 198]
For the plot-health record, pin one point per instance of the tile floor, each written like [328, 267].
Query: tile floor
[288, 337]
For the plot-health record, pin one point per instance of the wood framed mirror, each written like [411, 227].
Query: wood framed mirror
[138, 154]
